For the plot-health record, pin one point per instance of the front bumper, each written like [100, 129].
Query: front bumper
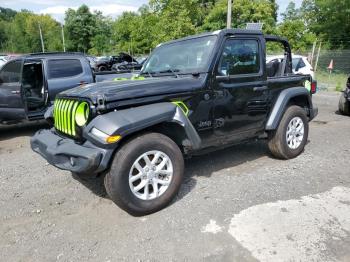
[65, 154]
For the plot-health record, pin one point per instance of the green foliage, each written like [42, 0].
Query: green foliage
[244, 11]
[332, 22]
[298, 35]
[339, 87]
[7, 14]
[22, 33]
[294, 26]
[291, 12]
[163, 20]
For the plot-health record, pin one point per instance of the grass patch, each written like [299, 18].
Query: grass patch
[336, 81]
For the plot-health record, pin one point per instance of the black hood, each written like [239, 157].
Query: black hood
[131, 89]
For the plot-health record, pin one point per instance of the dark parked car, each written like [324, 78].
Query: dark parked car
[344, 101]
[106, 63]
[126, 67]
[194, 95]
[29, 84]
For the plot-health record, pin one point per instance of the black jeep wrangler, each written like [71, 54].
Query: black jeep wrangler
[195, 94]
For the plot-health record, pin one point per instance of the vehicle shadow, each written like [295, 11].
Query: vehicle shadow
[22, 129]
[208, 164]
[204, 165]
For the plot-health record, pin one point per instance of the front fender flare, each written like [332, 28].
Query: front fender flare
[128, 121]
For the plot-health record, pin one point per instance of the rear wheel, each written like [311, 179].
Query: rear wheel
[344, 105]
[146, 174]
[290, 138]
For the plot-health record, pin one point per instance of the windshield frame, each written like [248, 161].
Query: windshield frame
[175, 72]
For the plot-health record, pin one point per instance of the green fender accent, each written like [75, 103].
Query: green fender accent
[132, 78]
[183, 106]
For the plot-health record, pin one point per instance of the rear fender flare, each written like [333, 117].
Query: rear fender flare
[282, 102]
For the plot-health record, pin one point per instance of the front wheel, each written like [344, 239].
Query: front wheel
[290, 138]
[146, 174]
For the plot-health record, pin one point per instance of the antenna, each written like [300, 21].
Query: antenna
[229, 14]
[63, 42]
[41, 39]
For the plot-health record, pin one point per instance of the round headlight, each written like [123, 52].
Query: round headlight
[82, 114]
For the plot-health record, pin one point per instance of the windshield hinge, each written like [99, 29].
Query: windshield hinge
[101, 103]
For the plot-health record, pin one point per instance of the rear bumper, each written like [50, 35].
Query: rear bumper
[313, 112]
[65, 154]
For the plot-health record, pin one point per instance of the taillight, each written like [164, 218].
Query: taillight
[313, 87]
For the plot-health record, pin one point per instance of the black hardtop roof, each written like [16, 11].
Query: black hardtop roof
[224, 32]
[220, 33]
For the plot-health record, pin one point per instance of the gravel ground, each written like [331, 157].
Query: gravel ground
[238, 204]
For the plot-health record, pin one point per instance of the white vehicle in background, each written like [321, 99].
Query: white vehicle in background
[300, 64]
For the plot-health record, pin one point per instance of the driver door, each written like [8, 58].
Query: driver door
[11, 103]
[241, 90]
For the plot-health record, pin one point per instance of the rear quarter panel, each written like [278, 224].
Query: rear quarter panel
[277, 85]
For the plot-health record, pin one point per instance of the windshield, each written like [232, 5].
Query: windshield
[188, 56]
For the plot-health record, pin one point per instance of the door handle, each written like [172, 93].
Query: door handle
[260, 88]
[16, 92]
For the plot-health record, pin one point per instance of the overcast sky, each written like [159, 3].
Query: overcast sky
[56, 8]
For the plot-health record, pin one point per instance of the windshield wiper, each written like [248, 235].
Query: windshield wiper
[147, 73]
[153, 73]
[170, 70]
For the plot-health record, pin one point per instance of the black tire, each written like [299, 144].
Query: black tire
[117, 179]
[84, 176]
[344, 105]
[277, 139]
[102, 69]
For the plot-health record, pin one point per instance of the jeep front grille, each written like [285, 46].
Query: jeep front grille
[65, 111]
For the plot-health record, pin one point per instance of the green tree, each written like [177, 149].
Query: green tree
[177, 19]
[243, 11]
[291, 13]
[295, 28]
[332, 22]
[7, 14]
[80, 28]
[101, 42]
[25, 26]
[298, 35]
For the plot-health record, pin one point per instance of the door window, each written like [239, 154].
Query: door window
[64, 68]
[11, 73]
[298, 63]
[240, 57]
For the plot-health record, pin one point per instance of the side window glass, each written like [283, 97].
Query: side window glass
[11, 73]
[301, 64]
[240, 57]
[64, 68]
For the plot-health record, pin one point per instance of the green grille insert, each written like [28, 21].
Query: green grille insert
[65, 113]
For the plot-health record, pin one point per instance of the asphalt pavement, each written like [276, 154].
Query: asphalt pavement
[237, 204]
